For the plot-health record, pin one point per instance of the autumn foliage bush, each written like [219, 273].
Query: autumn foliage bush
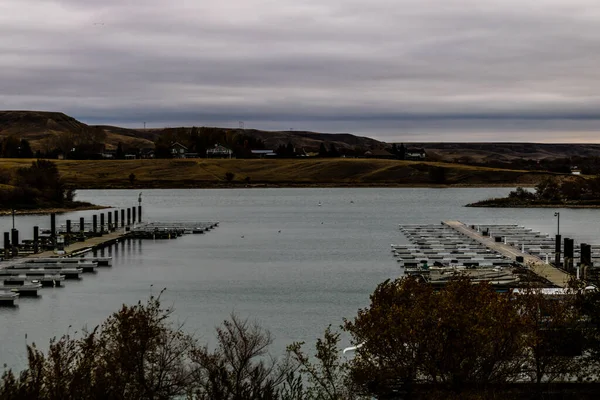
[465, 341]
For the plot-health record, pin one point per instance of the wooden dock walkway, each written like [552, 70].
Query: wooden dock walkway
[536, 264]
[89, 243]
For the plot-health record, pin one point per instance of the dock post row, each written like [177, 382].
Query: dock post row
[14, 247]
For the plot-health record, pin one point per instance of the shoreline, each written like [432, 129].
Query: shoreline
[304, 185]
[537, 206]
[57, 210]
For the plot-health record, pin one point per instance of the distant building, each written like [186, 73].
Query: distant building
[178, 150]
[263, 153]
[147, 152]
[575, 171]
[130, 156]
[219, 152]
[108, 154]
[415, 154]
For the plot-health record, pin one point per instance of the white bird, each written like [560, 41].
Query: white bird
[352, 348]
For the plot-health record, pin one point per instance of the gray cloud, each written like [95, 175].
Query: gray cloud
[436, 69]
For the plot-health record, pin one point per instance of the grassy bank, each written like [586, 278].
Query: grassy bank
[205, 173]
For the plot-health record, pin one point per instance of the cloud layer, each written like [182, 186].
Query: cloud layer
[429, 69]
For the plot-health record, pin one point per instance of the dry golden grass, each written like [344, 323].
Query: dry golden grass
[325, 172]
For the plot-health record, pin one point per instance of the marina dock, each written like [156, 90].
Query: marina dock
[556, 276]
[57, 254]
[504, 255]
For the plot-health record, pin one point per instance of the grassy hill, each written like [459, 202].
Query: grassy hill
[482, 152]
[294, 172]
[41, 127]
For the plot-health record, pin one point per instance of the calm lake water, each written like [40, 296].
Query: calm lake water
[277, 257]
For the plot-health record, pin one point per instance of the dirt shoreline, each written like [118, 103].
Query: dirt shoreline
[300, 185]
[57, 210]
[536, 206]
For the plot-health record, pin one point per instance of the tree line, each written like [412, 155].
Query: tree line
[465, 341]
[37, 186]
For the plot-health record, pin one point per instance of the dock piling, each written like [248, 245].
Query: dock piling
[53, 228]
[122, 218]
[94, 223]
[102, 223]
[140, 213]
[557, 251]
[15, 241]
[128, 216]
[81, 225]
[586, 255]
[109, 223]
[116, 219]
[6, 243]
[133, 214]
[568, 254]
[36, 239]
[68, 227]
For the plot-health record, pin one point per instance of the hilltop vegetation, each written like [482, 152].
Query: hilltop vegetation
[52, 132]
[572, 191]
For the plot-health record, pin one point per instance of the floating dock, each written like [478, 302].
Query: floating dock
[8, 298]
[539, 266]
[60, 254]
[489, 252]
[436, 253]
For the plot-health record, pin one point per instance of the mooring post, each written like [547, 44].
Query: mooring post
[53, 229]
[133, 214]
[6, 243]
[36, 239]
[568, 254]
[128, 216]
[122, 218]
[116, 219]
[557, 251]
[140, 207]
[15, 241]
[102, 223]
[81, 225]
[586, 255]
[94, 223]
[68, 227]
[109, 223]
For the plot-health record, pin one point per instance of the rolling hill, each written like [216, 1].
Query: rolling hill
[482, 152]
[40, 128]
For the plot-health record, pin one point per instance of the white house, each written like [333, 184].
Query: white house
[415, 154]
[219, 152]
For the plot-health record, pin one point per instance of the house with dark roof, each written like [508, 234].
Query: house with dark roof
[178, 150]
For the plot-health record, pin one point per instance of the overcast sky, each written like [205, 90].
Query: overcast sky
[402, 70]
